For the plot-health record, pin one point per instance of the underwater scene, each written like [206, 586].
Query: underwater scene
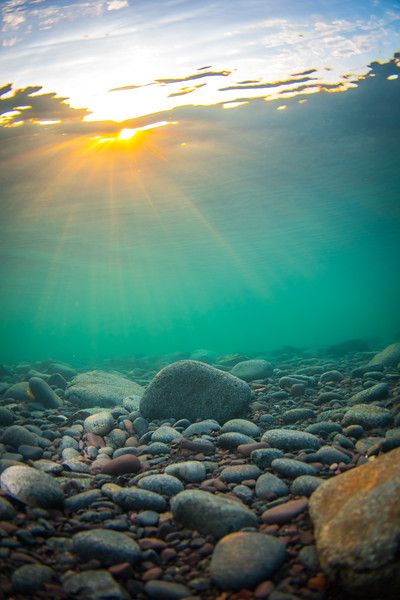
[200, 325]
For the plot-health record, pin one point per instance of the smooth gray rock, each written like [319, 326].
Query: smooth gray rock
[135, 498]
[250, 370]
[193, 390]
[328, 455]
[100, 423]
[209, 514]
[43, 393]
[297, 414]
[305, 485]
[166, 434]
[241, 426]
[375, 392]
[388, 357]
[93, 585]
[202, 427]
[290, 468]
[7, 417]
[19, 392]
[32, 487]
[239, 473]
[233, 439]
[30, 578]
[269, 485]
[192, 471]
[368, 416]
[100, 388]
[290, 440]
[244, 559]
[7, 511]
[263, 457]
[159, 589]
[17, 435]
[107, 546]
[167, 485]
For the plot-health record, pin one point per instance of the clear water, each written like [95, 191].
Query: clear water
[234, 230]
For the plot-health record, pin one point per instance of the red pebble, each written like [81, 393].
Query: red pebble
[128, 463]
[264, 589]
[247, 449]
[153, 573]
[285, 512]
[132, 442]
[121, 570]
[92, 439]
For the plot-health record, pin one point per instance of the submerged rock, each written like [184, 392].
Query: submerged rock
[243, 559]
[193, 390]
[100, 388]
[357, 522]
[42, 392]
[249, 370]
[211, 514]
[388, 357]
[32, 487]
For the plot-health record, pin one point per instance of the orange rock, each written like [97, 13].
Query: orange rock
[356, 517]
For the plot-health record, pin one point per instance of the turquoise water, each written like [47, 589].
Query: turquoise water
[235, 230]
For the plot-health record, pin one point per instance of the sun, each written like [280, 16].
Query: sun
[127, 135]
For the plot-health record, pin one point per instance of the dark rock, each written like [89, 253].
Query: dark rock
[244, 559]
[290, 440]
[107, 546]
[93, 585]
[32, 487]
[16, 436]
[269, 485]
[43, 393]
[30, 578]
[209, 514]
[166, 590]
[194, 390]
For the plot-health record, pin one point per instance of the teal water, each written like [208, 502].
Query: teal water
[235, 230]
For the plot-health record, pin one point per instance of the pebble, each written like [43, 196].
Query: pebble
[305, 485]
[297, 414]
[7, 511]
[239, 473]
[43, 393]
[328, 455]
[7, 417]
[17, 435]
[32, 487]
[368, 416]
[82, 500]
[166, 590]
[134, 498]
[375, 392]
[264, 456]
[284, 512]
[202, 427]
[127, 463]
[191, 471]
[251, 370]
[93, 585]
[107, 546]
[166, 435]
[290, 440]
[209, 514]
[241, 426]
[167, 485]
[100, 423]
[28, 579]
[269, 485]
[290, 468]
[233, 439]
[244, 559]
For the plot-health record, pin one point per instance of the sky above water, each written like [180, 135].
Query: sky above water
[139, 214]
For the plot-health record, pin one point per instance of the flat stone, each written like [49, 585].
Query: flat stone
[290, 440]
[107, 546]
[284, 512]
[241, 426]
[166, 590]
[82, 500]
[210, 514]
[167, 485]
[135, 498]
[93, 585]
[356, 517]
[375, 392]
[368, 416]
[239, 473]
[388, 357]
[32, 487]
[202, 427]
[100, 388]
[194, 390]
[244, 559]
[250, 370]
[127, 463]
[290, 468]
[192, 471]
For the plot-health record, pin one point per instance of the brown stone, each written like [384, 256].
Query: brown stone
[127, 463]
[284, 512]
[247, 449]
[356, 517]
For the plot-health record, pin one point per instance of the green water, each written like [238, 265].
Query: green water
[266, 228]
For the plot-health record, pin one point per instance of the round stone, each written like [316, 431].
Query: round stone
[270, 486]
[233, 439]
[328, 455]
[239, 473]
[305, 485]
[244, 559]
[100, 423]
[284, 512]
[192, 471]
[7, 511]
[30, 578]
[32, 487]
[43, 393]
[16, 435]
[135, 498]
[290, 440]
[209, 514]
[7, 417]
[107, 546]
[297, 414]
[167, 485]
[166, 435]
[263, 457]
[241, 426]
[250, 370]
[127, 463]
[368, 416]
[166, 590]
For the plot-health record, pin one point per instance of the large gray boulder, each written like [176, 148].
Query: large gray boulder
[192, 390]
[388, 357]
[100, 388]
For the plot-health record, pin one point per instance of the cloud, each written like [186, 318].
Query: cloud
[117, 4]
[271, 84]
[172, 80]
